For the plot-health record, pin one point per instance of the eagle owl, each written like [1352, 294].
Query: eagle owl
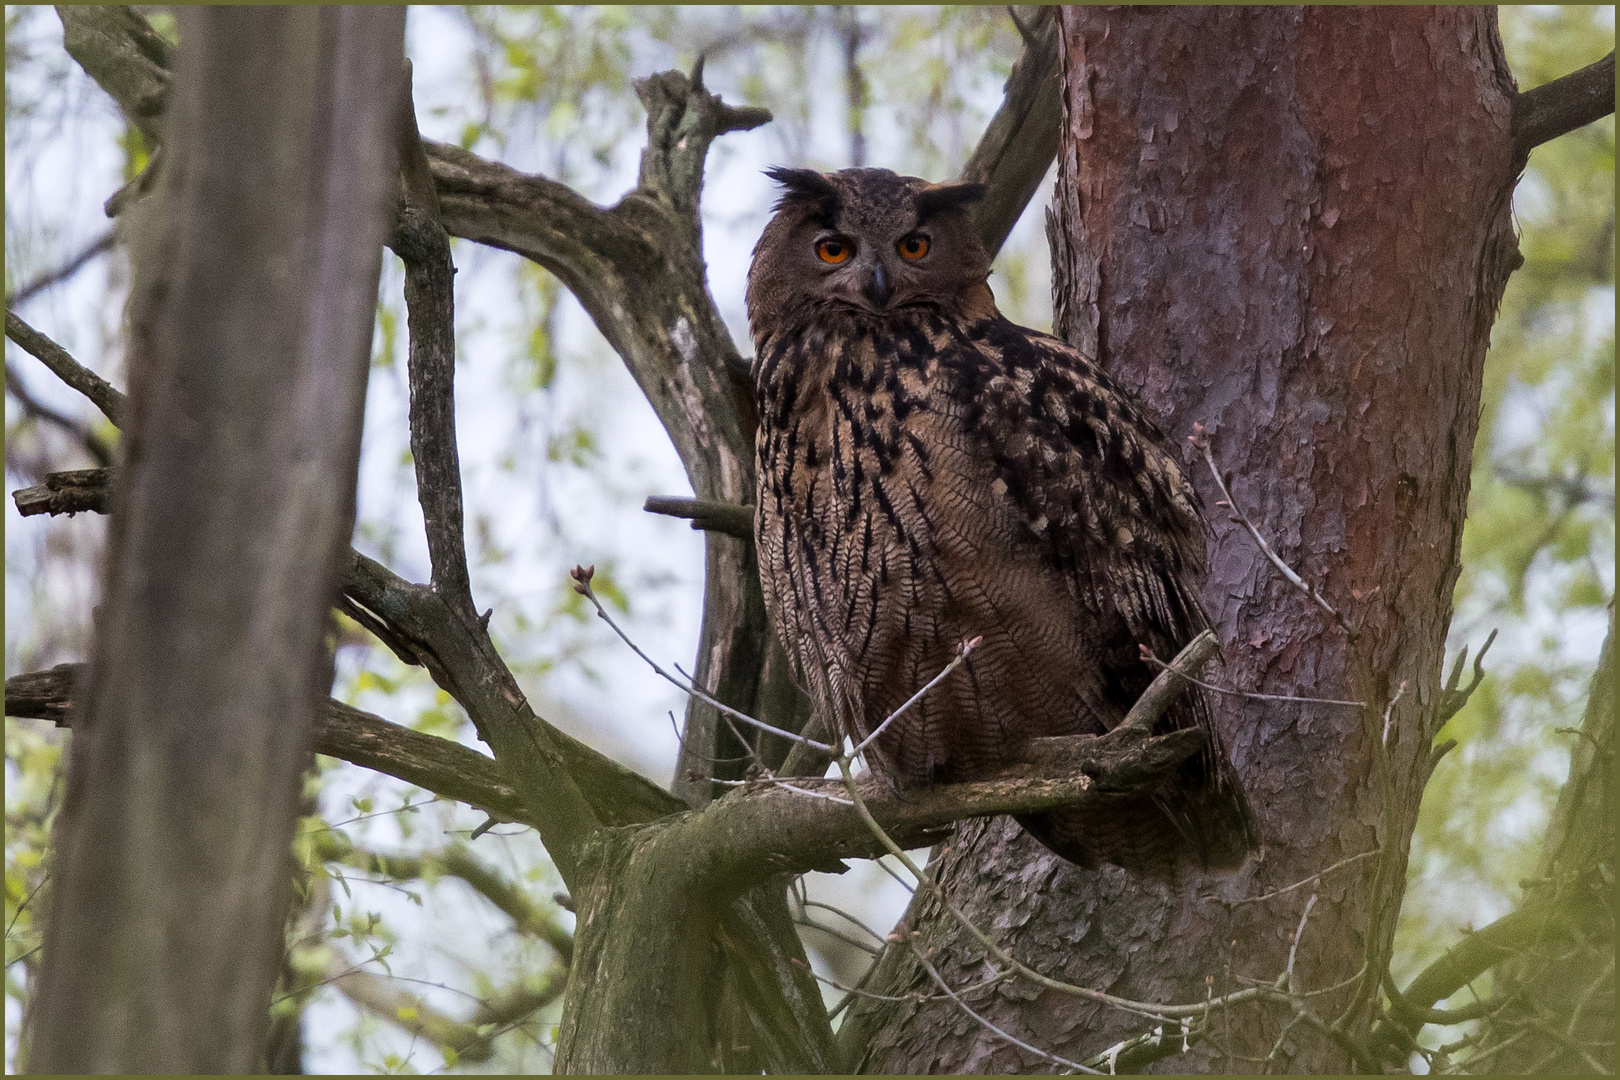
[930, 472]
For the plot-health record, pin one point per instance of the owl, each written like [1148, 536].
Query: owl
[930, 472]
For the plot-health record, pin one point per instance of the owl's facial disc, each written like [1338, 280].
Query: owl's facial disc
[853, 271]
[867, 241]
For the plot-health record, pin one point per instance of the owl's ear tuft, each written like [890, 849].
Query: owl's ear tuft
[805, 184]
[937, 197]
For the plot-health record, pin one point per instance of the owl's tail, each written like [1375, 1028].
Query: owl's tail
[1197, 816]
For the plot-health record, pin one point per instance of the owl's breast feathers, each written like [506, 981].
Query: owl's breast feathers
[925, 479]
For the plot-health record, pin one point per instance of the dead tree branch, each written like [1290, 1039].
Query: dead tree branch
[67, 493]
[1021, 141]
[710, 515]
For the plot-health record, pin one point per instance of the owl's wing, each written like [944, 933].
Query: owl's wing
[1099, 488]
[1114, 512]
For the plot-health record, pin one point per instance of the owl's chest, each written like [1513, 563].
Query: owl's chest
[866, 456]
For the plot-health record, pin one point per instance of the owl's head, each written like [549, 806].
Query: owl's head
[867, 240]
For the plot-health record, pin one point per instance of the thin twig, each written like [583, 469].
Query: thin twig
[1168, 684]
[776, 781]
[854, 943]
[1020, 1043]
[1389, 711]
[681, 739]
[963, 652]
[96, 247]
[582, 585]
[1147, 654]
[1302, 882]
[841, 913]
[1293, 945]
[1201, 442]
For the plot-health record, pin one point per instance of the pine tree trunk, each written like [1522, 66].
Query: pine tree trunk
[1292, 227]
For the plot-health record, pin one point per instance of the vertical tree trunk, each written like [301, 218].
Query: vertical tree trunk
[251, 327]
[1292, 227]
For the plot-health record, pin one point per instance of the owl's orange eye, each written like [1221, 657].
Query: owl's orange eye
[913, 247]
[834, 250]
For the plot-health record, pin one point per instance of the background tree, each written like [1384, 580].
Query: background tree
[236, 496]
[404, 1012]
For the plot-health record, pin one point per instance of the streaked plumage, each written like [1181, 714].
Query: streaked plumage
[931, 472]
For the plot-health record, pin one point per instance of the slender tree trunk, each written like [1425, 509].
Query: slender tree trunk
[1289, 226]
[251, 327]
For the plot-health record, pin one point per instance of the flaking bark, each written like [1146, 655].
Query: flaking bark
[1257, 232]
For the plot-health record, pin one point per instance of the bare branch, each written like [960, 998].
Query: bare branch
[1294, 940]
[99, 246]
[1452, 699]
[763, 829]
[963, 652]
[1314, 878]
[1021, 140]
[93, 444]
[434, 764]
[636, 270]
[421, 242]
[1014, 1040]
[582, 585]
[120, 50]
[549, 769]
[1405, 1010]
[1561, 106]
[710, 515]
[110, 401]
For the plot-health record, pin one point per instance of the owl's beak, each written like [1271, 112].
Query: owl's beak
[878, 288]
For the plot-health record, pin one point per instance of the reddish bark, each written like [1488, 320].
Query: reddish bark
[1290, 226]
